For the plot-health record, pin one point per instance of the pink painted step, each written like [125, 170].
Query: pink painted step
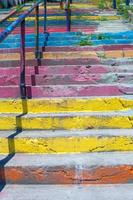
[66, 91]
[80, 79]
[89, 48]
[74, 48]
[77, 91]
[67, 70]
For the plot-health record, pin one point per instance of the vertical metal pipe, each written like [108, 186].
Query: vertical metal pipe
[22, 60]
[68, 15]
[45, 16]
[114, 4]
[127, 2]
[37, 31]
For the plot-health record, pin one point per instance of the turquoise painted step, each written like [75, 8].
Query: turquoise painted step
[66, 43]
[17, 45]
[93, 43]
[76, 36]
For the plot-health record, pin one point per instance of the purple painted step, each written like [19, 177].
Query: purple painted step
[89, 48]
[75, 48]
[51, 62]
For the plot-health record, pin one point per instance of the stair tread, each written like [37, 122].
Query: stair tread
[66, 192]
[68, 133]
[83, 159]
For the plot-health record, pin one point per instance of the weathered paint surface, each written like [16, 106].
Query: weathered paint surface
[64, 175]
[69, 55]
[67, 144]
[66, 105]
[73, 18]
[103, 69]
[69, 122]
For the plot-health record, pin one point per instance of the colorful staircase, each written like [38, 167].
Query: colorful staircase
[72, 137]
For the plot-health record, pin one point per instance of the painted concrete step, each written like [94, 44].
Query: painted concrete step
[88, 48]
[76, 42]
[69, 70]
[72, 37]
[71, 55]
[67, 142]
[75, 48]
[51, 55]
[88, 168]
[73, 18]
[74, 79]
[78, 79]
[117, 61]
[67, 120]
[65, 192]
[59, 105]
[68, 90]
[51, 62]
[29, 30]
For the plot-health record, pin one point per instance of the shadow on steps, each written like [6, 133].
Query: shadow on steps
[11, 144]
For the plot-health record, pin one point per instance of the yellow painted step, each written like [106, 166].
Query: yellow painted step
[49, 55]
[65, 105]
[70, 121]
[104, 18]
[73, 6]
[70, 55]
[69, 144]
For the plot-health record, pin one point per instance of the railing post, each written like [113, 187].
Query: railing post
[114, 4]
[22, 59]
[127, 2]
[68, 15]
[45, 16]
[38, 53]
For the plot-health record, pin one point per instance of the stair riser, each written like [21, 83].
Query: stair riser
[124, 47]
[78, 79]
[74, 18]
[57, 105]
[75, 79]
[69, 175]
[65, 123]
[65, 145]
[66, 91]
[51, 29]
[70, 70]
[16, 44]
[70, 56]
[52, 62]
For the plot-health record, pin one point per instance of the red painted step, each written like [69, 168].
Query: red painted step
[51, 29]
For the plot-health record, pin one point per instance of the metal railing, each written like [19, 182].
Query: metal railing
[68, 14]
[21, 21]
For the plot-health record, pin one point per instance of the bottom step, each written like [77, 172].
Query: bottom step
[63, 192]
